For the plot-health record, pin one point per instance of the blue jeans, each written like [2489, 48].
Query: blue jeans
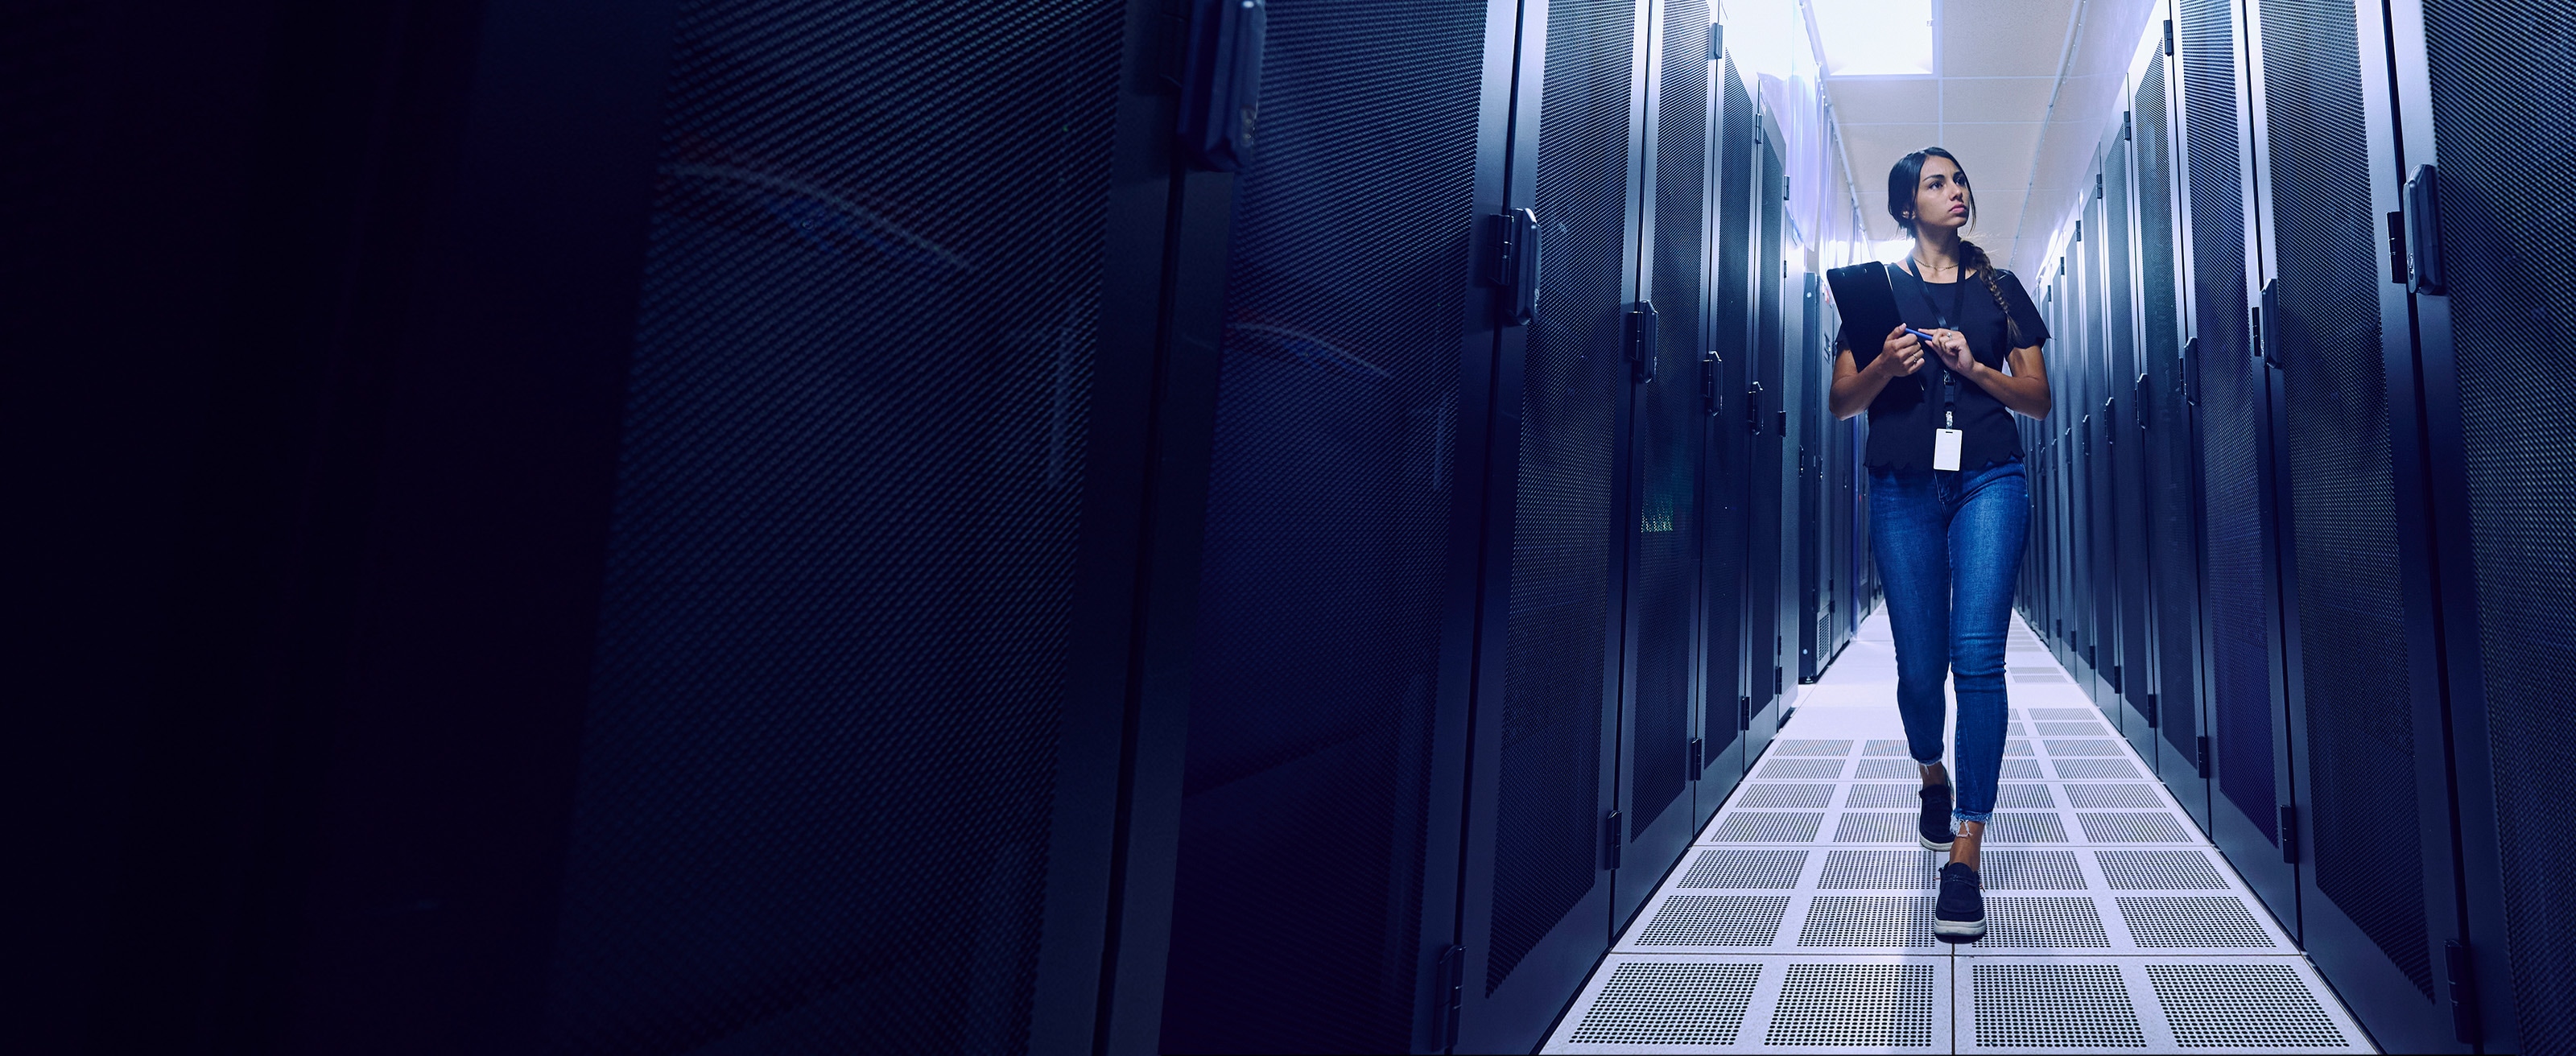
[1948, 547]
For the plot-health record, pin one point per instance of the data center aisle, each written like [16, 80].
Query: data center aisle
[1801, 919]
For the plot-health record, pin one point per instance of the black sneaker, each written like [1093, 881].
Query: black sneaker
[1961, 914]
[1933, 829]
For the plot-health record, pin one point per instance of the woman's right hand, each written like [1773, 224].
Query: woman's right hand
[1900, 355]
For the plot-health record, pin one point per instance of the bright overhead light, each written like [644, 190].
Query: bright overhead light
[1865, 38]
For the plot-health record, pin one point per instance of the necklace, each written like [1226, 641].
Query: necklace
[1934, 268]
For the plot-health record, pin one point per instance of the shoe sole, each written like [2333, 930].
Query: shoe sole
[1958, 931]
[1931, 846]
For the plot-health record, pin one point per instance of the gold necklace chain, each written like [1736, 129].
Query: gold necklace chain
[1935, 268]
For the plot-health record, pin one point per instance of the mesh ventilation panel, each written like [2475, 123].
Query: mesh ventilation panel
[1785, 797]
[2361, 724]
[2096, 769]
[1883, 796]
[1854, 1006]
[1547, 836]
[1867, 920]
[2059, 922]
[2054, 1006]
[1670, 426]
[1806, 769]
[1715, 920]
[1874, 826]
[2114, 797]
[2503, 75]
[2024, 797]
[2022, 770]
[2233, 408]
[2241, 1006]
[2073, 729]
[1325, 535]
[802, 651]
[2133, 827]
[2017, 747]
[1887, 769]
[1745, 869]
[1767, 827]
[1847, 870]
[2030, 871]
[2172, 529]
[1836, 749]
[2062, 714]
[1729, 659]
[2025, 828]
[2160, 871]
[2207, 921]
[1886, 748]
[2079, 749]
[1669, 1004]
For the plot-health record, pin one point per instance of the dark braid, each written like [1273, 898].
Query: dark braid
[1972, 255]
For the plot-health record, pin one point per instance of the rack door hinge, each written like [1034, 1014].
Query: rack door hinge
[2151, 711]
[1743, 713]
[2115, 679]
[1708, 368]
[2289, 832]
[1452, 995]
[2200, 755]
[1610, 840]
[1698, 756]
[1641, 333]
[2464, 995]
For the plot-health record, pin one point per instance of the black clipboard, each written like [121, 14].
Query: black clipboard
[1868, 305]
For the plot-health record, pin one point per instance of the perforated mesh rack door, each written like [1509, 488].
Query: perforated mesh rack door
[1327, 514]
[2500, 74]
[2353, 642]
[1730, 449]
[1548, 827]
[2232, 409]
[2169, 459]
[803, 650]
[2128, 447]
[1670, 425]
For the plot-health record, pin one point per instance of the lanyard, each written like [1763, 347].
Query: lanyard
[1949, 380]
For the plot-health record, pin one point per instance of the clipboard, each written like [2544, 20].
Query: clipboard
[1868, 306]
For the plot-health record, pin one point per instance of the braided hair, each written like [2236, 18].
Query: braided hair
[1901, 182]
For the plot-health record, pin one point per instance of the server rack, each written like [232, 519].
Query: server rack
[2471, 84]
[1735, 404]
[1769, 418]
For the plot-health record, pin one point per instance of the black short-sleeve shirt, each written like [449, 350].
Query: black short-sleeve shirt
[1902, 418]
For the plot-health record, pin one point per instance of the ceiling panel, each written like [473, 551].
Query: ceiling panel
[1885, 100]
[1981, 100]
[1996, 156]
[2004, 38]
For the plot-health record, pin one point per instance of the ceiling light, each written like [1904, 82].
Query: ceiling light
[1875, 38]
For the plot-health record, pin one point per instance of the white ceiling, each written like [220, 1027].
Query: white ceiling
[2025, 90]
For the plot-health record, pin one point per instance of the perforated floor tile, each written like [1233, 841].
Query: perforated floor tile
[1765, 826]
[2005, 870]
[2046, 922]
[2053, 1006]
[1645, 1003]
[1883, 796]
[2079, 1003]
[1714, 920]
[1876, 826]
[1744, 869]
[1801, 770]
[1763, 795]
[2243, 1007]
[1855, 1006]
[2132, 827]
[1836, 749]
[2069, 749]
[2095, 769]
[1881, 921]
[2160, 871]
[2198, 921]
[1888, 769]
[2130, 796]
[1880, 870]
[1669, 1003]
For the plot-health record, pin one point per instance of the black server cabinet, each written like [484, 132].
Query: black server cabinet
[1714, 251]
[2365, 681]
[2236, 739]
[1361, 359]
[1812, 456]
[2102, 589]
[701, 612]
[1544, 835]
[1766, 627]
[2173, 431]
[2132, 544]
[2475, 85]
[1737, 399]
[1667, 331]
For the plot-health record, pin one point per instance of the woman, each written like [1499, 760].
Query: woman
[1948, 511]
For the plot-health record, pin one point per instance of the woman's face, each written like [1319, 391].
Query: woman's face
[1941, 194]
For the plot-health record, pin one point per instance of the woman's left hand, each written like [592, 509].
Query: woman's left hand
[1953, 349]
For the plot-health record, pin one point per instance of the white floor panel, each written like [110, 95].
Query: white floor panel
[1801, 918]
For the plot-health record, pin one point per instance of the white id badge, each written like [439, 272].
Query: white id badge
[1945, 449]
